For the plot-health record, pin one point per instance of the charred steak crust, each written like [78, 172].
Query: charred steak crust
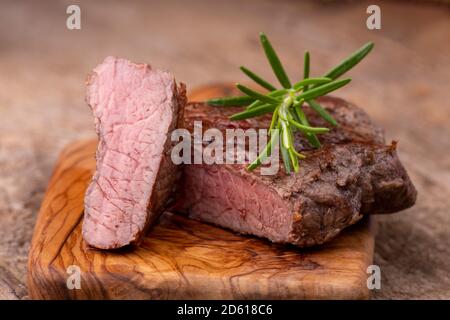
[135, 109]
[353, 174]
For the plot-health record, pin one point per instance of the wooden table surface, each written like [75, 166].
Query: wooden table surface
[403, 85]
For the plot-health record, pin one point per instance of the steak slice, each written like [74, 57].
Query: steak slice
[135, 109]
[353, 174]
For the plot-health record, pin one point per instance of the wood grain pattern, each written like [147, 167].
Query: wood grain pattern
[182, 258]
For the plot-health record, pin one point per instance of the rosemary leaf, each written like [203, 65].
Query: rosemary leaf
[308, 129]
[263, 83]
[256, 95]
[309, 81]
[299, 155]
[274, 94]
[350, 61]
[274, 61]
[292, 152]
[322, 89]
[312, 138]
[254, 104]
[230, 101]
[274, 119]
[267, 151]
[322, 112]
[285, 157]
[306, 68]
[257, 111]
[294, 159]
[285, 134]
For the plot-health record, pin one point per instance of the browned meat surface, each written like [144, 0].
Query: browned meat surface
[353, 174]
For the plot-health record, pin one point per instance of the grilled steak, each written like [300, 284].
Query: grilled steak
[135, 109]
[353, 174]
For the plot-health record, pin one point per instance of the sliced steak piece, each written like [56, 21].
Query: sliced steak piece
[135, 109]
[353, 174]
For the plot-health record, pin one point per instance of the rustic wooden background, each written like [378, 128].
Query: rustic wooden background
[404, 85]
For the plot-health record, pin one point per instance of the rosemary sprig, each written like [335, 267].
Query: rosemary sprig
[274, 101]
[286, 103]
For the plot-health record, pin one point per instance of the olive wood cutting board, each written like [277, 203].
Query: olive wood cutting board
[181, 258]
